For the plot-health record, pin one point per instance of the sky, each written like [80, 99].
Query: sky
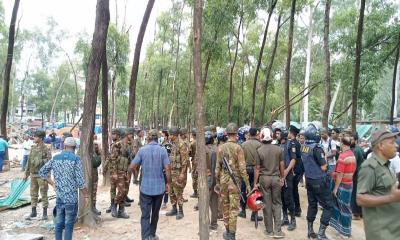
[76, 16]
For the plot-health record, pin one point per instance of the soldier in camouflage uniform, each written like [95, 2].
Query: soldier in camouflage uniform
[179, 159]
[118, 165]
[39, 155]
[230, 193]
[96, 162]
[129, 150]
[183, 136]
[195, 175]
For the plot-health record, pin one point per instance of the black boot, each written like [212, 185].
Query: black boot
[285, 220]
[292, 224]
[253, 217]
[311, 234]
[33, 214]
[232, 236]
[108, 210]
[114, 212]
[121, 212]
[321, 232]
[242, 213]
[194, 195]
[173, 211]
[126, 204]
[180, 214]
[97, 212]
[226, 234]
[129, 200]
[44, 216]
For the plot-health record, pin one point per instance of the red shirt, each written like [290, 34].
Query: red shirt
[346, 164]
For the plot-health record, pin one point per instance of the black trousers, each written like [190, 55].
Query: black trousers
[318, 191]
[250, 174]
[296, 180]
[287, 195]
[150, 207]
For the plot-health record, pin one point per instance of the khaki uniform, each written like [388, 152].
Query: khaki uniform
[117, 164]
[40, 154]
[179, 158]
[269, 158]
[195, 175]
[228, 190]
[375, 178]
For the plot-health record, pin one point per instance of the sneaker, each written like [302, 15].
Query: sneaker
[278, 235]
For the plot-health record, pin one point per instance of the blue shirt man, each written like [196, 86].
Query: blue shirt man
[68, 177]
[153, 159]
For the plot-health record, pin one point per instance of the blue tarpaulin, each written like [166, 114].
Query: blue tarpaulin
[362, 130]
[18, 186]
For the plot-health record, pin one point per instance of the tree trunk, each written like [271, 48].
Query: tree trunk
[287, 67]
[200, 143]
[174, 90]
[135, 65]
[325, 112]
[87, 217]
[396, 91]
[104, 110]
[260, 55]
[333, 102]
[7, 71]
[269, 69]
[356, 80]
[114, 112]
[392, 105]
[308, 65]
[230, 102]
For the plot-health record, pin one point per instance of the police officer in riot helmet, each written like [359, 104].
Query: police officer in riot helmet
[317, 184]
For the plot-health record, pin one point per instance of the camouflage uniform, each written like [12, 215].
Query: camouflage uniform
[195, 175]
[129, 150]
[117, 164]
[179, 159]
[40, 154]
[96, 162]
[230, 194]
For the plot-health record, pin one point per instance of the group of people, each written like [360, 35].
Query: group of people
[270, 160]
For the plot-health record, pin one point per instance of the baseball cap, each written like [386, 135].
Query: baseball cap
[70, 142]
[380, 135]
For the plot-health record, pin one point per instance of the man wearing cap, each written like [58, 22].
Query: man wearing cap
[232, 153]
[179, 158]
[117, 164]
[270, 172]
[293, 167]
[250, 151]
[192, 155]
[377, 191]
[39, 155]
[68, 178]
[153, 159]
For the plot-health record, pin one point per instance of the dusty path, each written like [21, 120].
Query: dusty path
[168, 228]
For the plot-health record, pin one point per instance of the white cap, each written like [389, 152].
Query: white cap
[70, 142]
[266, 134]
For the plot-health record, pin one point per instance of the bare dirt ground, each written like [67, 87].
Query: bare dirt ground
[12, 221]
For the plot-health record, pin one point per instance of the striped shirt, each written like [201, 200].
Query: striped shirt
[346, 164]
